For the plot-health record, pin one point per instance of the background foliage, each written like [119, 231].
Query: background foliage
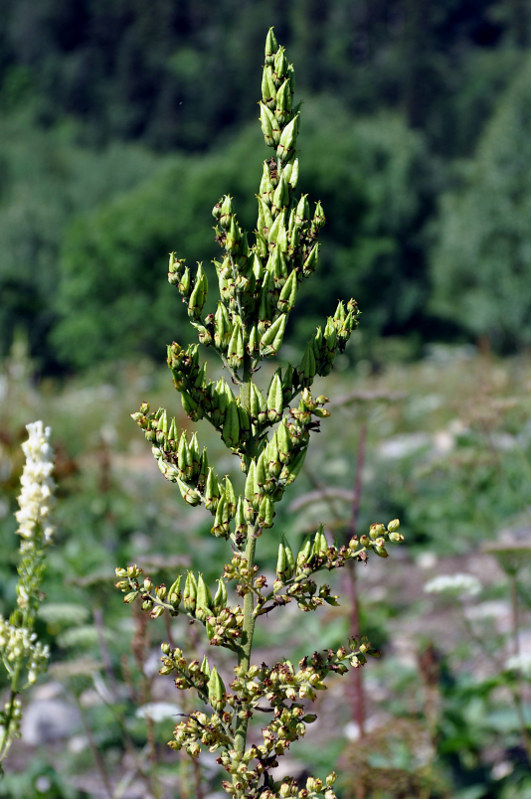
[117, 111]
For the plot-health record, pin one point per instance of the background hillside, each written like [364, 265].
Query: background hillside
[122, 122]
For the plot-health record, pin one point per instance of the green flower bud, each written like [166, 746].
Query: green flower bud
[130, 597]
[396, 538]
[393, 526]
[376, 530]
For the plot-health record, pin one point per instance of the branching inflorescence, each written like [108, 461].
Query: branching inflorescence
[269, 431]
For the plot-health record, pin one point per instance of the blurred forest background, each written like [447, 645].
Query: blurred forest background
[122, 122]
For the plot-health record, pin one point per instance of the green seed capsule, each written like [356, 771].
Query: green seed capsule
[275, 399]
[281, 562]
[203, 603]
[216, 691]
[271, 340]
[220, 599]
[189, 592]
[286, 301]
[174, 595]
[305, 553]
[231, 426]
[266, 512]
[288, 138]
[271, 46]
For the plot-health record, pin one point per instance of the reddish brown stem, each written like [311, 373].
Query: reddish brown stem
[356, 692]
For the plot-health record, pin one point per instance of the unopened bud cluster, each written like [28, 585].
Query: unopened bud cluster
[268, 428]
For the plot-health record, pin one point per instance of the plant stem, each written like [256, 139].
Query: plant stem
[358, 693]
[249, 619]
[513, 583]
[244, 658]
[6, 738]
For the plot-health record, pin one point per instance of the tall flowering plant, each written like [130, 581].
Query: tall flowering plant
[23, 656]
[267, 427]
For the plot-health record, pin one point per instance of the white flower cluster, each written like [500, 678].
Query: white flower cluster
[19, 645]
[36, 497]
[458, 585]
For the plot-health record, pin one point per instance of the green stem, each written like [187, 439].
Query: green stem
[244, 658]
[7, 736]
[26, 619]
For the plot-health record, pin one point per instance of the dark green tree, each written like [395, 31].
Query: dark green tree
[482, 263]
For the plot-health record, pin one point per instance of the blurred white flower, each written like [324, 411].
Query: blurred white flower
[157, 711]
[454, 585]
[521, 663]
